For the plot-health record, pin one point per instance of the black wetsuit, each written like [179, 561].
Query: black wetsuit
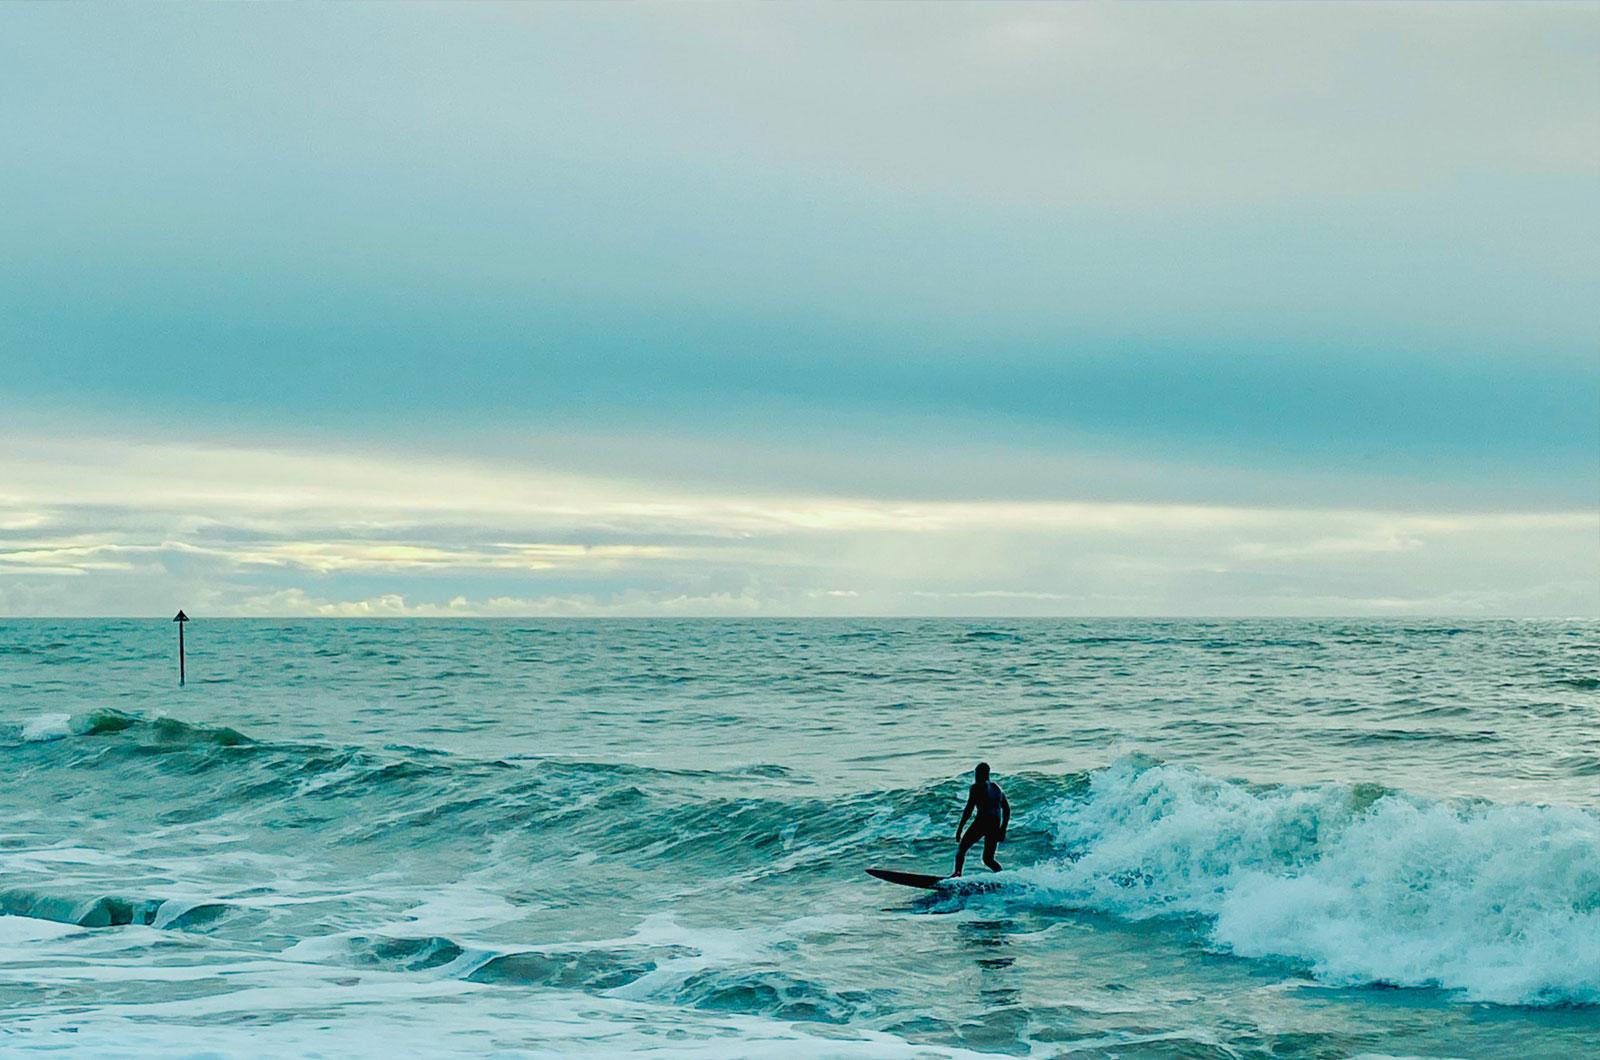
[988, 822]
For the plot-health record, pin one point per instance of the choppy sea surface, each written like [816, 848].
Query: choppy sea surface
[1232, 838]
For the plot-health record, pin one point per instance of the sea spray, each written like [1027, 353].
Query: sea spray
[1362, 886]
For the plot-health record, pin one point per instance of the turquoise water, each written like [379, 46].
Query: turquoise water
[1233, 839]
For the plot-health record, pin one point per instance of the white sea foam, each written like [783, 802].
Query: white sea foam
[46, 727]
[20, 929]
[456, 909]
[389, 1015]
[1500, 902]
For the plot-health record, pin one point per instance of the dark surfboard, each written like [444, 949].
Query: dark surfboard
[978, 884]
[908, 879]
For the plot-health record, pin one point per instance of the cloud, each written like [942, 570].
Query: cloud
[298, 603]
[325, 557]
[92, 526]
[1299, 236]
[1399, 536]
[74, 555]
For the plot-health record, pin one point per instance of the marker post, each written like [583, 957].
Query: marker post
[180, 619]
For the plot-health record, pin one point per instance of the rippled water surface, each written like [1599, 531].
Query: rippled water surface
[1233, 839]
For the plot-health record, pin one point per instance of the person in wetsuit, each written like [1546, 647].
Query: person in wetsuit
[994, 813]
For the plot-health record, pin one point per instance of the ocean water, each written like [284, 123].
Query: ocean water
[1232, 838]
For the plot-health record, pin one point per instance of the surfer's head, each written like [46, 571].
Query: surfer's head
[982, 772]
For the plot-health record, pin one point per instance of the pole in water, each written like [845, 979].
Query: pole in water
[180, 619]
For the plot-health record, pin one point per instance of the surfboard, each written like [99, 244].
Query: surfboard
[908, 879]
[947, 884]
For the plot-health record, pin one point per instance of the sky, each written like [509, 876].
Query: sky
[778, 309]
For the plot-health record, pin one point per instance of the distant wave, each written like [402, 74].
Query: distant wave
[105, 910]
[107, 721]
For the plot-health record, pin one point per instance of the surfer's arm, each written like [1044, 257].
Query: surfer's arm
[972, 800]
[1005, 814]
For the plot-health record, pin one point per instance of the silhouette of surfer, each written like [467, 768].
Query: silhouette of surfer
[994, 813]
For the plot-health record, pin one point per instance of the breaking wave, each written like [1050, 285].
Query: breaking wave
[1358, 884]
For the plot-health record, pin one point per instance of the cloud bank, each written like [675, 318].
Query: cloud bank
[108, 527]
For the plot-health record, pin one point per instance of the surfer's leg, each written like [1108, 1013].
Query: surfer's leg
[966, 844]
[989, 841]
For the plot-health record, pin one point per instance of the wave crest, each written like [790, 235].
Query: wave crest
[1359, 884]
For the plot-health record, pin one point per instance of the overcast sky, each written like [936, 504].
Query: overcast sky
[767, 309]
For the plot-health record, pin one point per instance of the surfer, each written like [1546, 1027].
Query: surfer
[994, 813]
